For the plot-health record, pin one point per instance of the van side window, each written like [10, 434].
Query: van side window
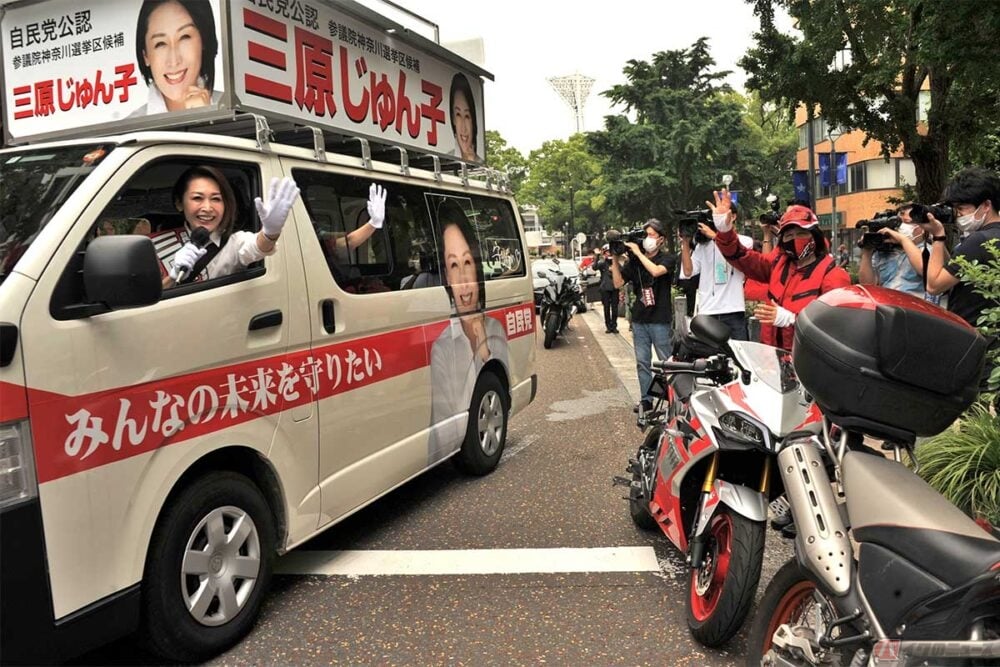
[405, 253]
[502, 254]
[145, 206]
[401, 255]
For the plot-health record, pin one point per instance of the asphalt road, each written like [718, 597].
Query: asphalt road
[552, 490]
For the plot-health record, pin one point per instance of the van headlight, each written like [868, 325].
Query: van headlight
[741, 429]
[17, 464]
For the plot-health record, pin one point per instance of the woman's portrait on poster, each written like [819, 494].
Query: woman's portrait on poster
[175, 47]
[470, 340]
[464, 123]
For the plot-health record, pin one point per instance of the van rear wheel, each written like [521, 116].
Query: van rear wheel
[486, 432]
[208, 566]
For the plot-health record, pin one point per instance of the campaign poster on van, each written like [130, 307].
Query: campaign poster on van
[312, 62]
[69, 65]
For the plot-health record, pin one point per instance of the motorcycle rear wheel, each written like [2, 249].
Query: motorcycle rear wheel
[791, 598]
[551, 327]
[721, 591]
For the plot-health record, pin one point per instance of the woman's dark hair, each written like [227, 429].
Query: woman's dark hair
[204, 21]
[228, 196]
[450, 213]
[460, 84]
[973, 185]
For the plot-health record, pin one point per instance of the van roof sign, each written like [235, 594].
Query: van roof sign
[99, 66]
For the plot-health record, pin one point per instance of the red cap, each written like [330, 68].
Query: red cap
[799, 216]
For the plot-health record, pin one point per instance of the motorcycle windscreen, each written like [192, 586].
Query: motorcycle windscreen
[774, 393]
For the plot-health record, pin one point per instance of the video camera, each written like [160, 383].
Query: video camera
[943, 213]
[687, 226]
[616, 240]
[870, 230]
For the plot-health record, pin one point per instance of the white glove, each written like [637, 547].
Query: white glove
[280, 197]
[783, 318]
[185, 259]
[376, 205]
[722, 222]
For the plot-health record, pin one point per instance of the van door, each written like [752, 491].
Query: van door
[122, 403]
[374, 313]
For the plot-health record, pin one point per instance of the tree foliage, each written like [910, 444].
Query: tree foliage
[689, 129]
[507, 159]
[896, 47]
[564, 180]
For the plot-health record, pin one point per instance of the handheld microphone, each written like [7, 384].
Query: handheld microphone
[200, 238]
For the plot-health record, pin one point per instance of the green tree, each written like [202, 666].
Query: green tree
[563, 181]
[689, 130]
[896, 47]
[506, 158]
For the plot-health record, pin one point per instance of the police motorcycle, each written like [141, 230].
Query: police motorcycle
[704, 474]
[886, 570]
[559, 301]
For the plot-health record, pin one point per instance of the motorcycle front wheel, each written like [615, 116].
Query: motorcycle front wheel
[792, 599]
[721, 591]
[551, 326]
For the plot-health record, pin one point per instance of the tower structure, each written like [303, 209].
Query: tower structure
[574, 89]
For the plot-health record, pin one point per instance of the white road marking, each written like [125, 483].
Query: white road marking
[469, 561]
[523, 443]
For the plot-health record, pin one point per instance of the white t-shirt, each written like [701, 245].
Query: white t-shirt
[720, 289]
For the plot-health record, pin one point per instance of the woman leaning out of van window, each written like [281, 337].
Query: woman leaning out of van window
[205, 198]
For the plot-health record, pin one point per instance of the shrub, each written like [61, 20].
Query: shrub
[963, 464]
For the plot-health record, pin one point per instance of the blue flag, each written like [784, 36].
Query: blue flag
[800, 182]
[824, 170]
[841, 168]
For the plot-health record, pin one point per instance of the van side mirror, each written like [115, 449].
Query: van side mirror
[122, 271]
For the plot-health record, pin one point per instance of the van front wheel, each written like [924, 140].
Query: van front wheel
[486, 432]
[208, 567]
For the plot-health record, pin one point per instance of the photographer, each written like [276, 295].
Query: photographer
[650, 271]
[896, 258]
[720, 286]
[798, 272]
[609, 293]
[974, 194]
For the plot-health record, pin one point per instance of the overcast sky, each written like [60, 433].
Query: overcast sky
[528, 41]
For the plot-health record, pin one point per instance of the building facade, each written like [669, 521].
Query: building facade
[872, 180]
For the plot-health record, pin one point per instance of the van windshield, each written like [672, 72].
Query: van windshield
[33, 185]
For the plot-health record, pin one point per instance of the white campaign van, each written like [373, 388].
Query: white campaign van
[159, 447]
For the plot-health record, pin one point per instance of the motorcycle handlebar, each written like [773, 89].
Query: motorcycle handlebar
[697, 366]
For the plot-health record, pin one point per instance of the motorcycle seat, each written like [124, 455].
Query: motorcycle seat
[892, 507]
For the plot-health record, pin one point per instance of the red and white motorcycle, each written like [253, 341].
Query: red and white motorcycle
[704, 473]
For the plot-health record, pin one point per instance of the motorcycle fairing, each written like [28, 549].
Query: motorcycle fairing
[672, 467]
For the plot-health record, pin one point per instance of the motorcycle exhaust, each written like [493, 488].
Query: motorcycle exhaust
[822, 537]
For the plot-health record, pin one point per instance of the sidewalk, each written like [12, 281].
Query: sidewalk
[616, 347]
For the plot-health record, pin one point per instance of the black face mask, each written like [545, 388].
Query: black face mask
[798, 249]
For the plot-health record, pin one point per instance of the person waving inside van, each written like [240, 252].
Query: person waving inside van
[206, 199]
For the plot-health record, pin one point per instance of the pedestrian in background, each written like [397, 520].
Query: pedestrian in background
[650, 271]
[609, 293]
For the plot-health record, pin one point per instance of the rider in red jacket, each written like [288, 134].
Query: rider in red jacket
[795, 277]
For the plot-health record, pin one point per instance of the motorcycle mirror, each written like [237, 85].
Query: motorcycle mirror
[541, 274]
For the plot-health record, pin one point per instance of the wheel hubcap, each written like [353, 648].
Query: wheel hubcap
[220, 566]
[490, 423]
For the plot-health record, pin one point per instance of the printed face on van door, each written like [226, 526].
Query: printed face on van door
[202, 205]
[460, 270]
[173, 53]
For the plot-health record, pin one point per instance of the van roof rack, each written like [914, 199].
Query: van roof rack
[267, 130]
